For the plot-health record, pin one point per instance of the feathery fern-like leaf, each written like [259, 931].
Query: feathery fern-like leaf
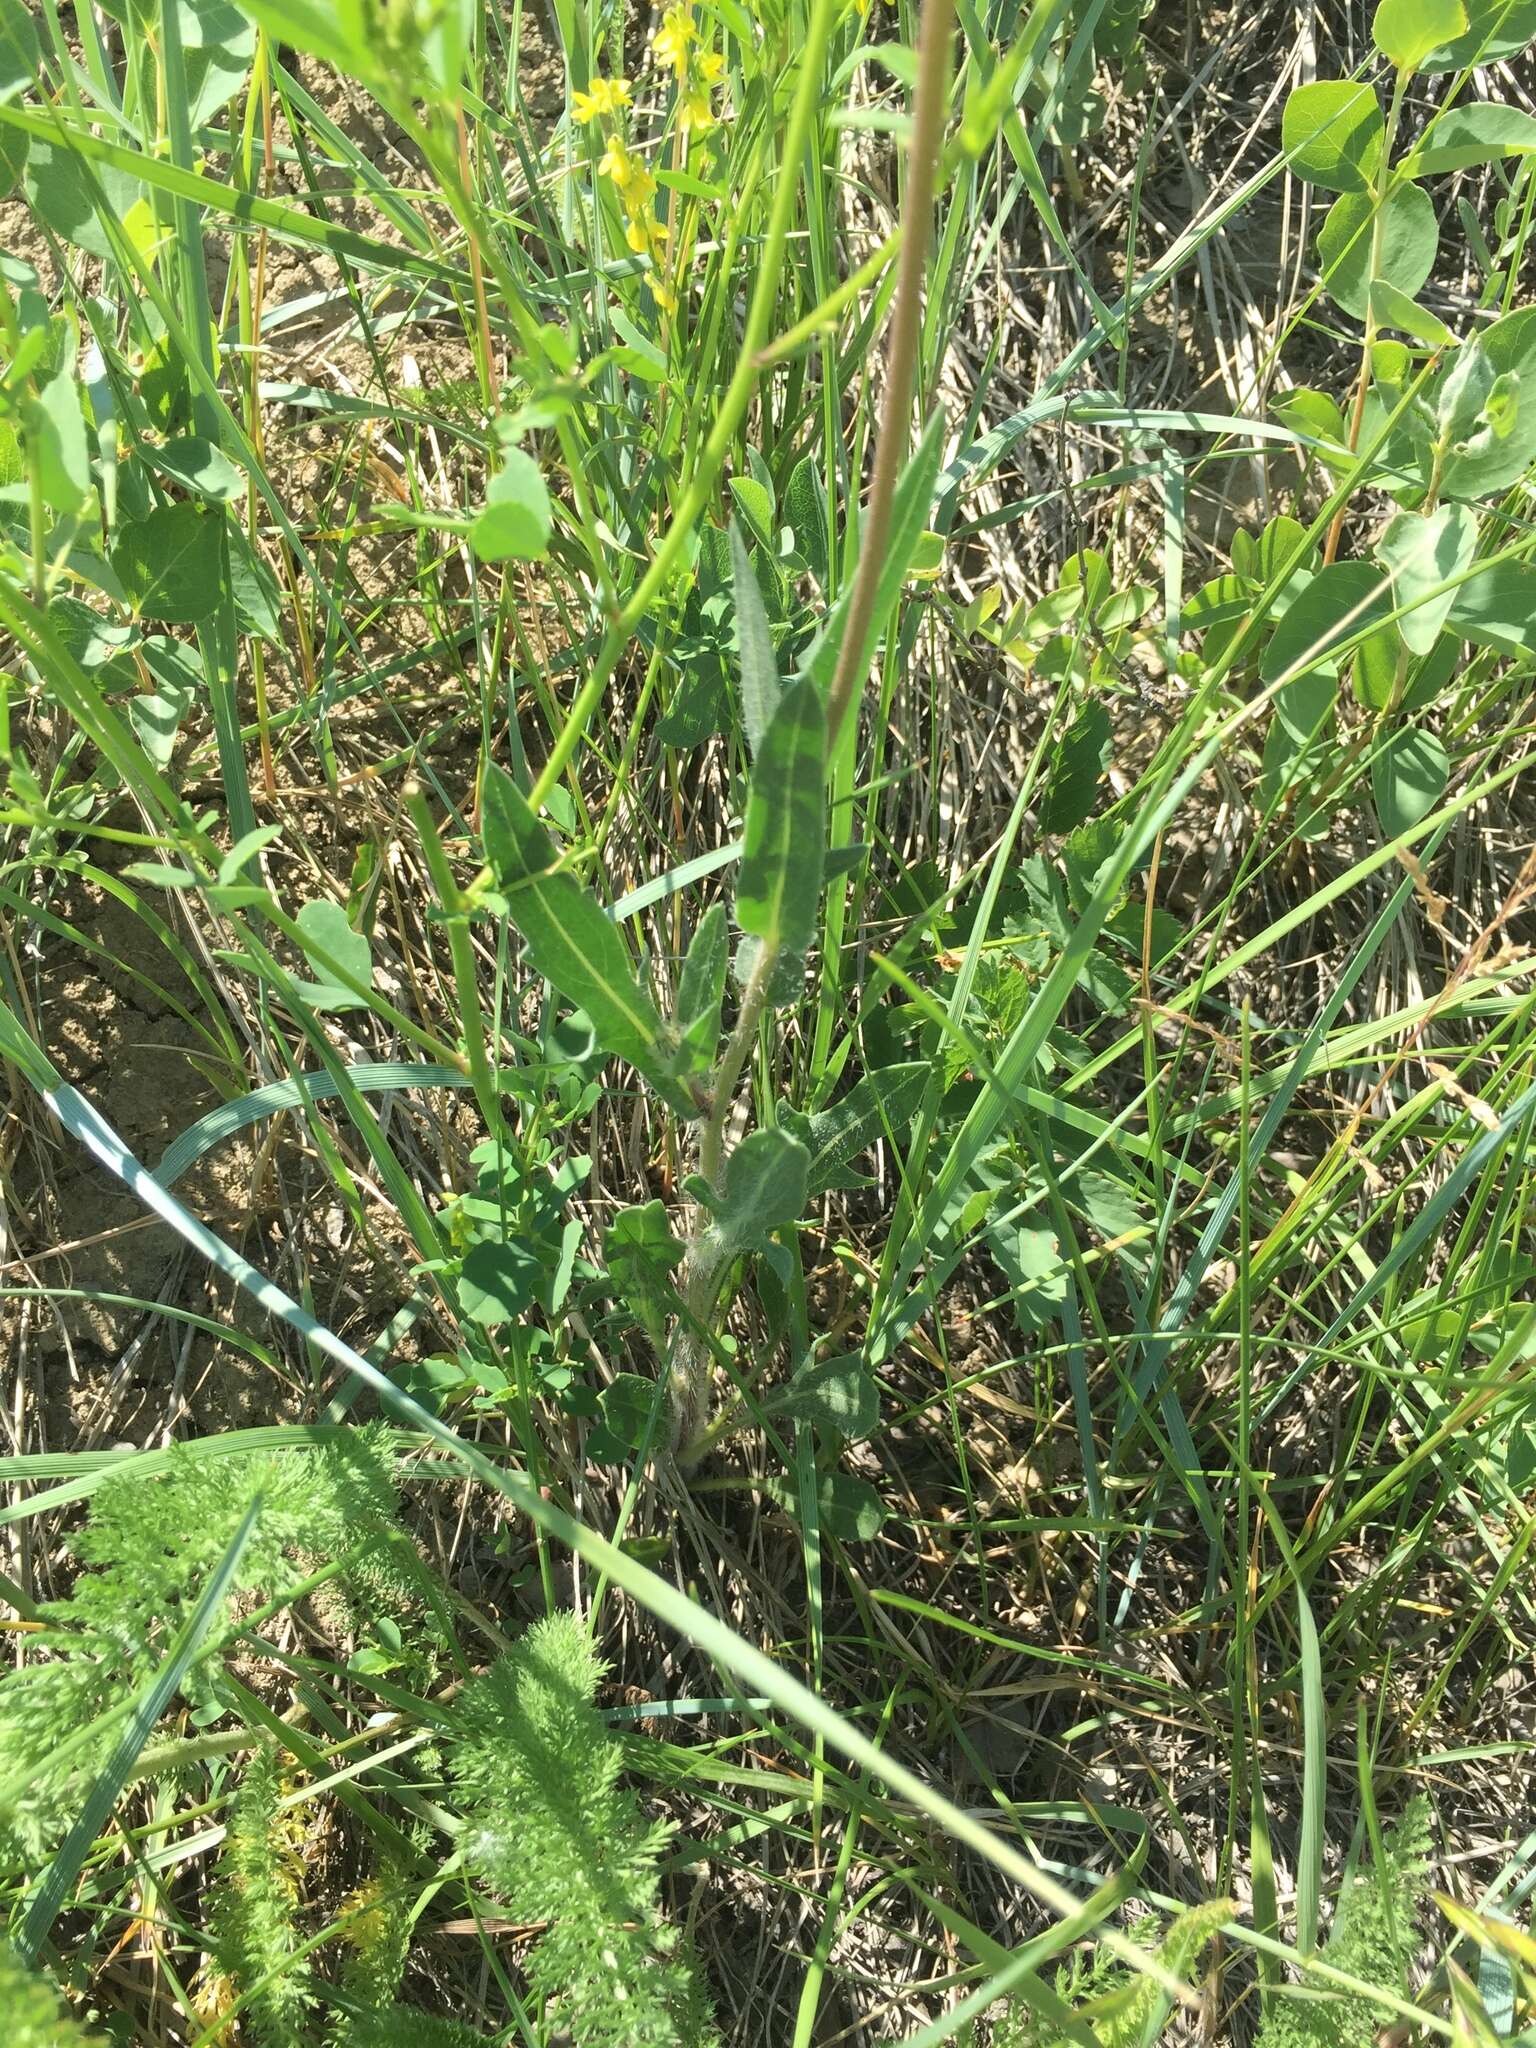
[1373, 1940]
[551, 1829]
[148, 1548]
[32, 2013]
[255, 1911]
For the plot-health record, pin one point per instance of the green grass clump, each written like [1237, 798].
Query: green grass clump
[767, 772]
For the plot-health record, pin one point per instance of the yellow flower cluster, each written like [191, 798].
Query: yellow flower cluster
[697, 72]
[605, 100]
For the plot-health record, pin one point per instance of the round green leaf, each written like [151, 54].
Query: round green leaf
[517, 518]
[1495, 29]
[1408, 31]
[1332, 130]
[1410, 236]
[1408, 778]
[171, 563]
[497, 1282]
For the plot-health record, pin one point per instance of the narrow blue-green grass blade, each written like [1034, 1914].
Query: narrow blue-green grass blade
[674, 879]
[368, 1077]
[1424, 1228]
[1154, 1350]
[44, 1905]
[287, 223]
[1314, 1779]
[715, 1638]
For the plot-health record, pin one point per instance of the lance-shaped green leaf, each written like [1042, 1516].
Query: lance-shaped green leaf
[909, 516]
[784, 842]
[570, 942]
[765, 1187]
[1478, 133]
[760, 685]
[702, 989]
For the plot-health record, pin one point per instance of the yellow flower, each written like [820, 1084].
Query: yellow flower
[671, 40]
[605, 98]
[696, 114]
[628, 173]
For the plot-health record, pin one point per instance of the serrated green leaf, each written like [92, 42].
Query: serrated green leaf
[1073, 788]
[569, 941]
[784, 838]
[1335, 129]
[1408, 778]
[884, 1099]
[1346, 243]
[838, 1395]
[1420, 551]
[642, 1255]
[171, 563]
[625, 1408]
[1408, 31]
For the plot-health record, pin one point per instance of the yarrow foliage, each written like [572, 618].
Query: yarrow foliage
[550, 1828]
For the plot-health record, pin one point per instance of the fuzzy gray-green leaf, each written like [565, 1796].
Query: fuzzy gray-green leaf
[778, 888]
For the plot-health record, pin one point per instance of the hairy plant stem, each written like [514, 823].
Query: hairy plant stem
[704, 1263]
[894, 435]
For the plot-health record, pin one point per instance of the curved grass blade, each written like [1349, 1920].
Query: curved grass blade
[43, 1908]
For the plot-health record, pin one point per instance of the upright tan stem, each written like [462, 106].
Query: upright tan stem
[905, 334]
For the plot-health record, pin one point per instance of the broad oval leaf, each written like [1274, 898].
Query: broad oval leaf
[18, 49]
[1408, 31]
[1408, 778]
[171, 565]
[1333, 130]
[516, 520]
[1497, 608]
[1479, 133]
[766, 1178]
[1420, 551]
[1342, 603]
[1410, 236]
[1495, 29]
